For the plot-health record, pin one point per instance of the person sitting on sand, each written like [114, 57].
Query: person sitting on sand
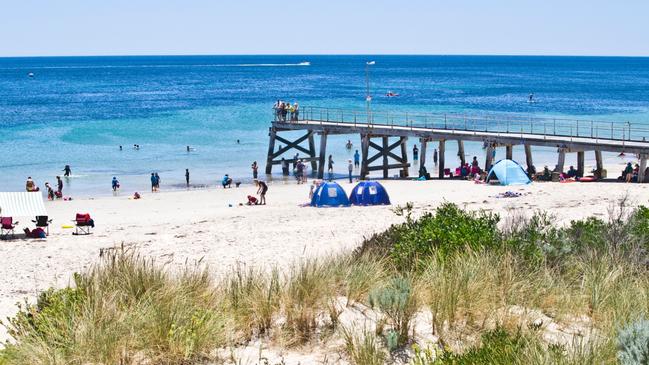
[547, 175]
[37, 232]
[627, 174]
[252, 200]
[262, 189]
[30, 186]
[572, 173]
[226, 181]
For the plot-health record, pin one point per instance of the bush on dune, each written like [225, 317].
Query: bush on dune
[459, 265]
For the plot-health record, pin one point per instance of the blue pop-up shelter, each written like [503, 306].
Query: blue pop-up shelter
[329, 194]
[508, 172]
[369, 193]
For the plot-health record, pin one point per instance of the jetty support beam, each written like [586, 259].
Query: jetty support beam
[460, 152]
[490, 156]
[271, 149]
[365, 148]
[643, 168]
[580, 163]
[441, 151]
[599, 164]
[323, 154]
[528, 159]
[422, 158]
[509, 152]
[273, 155]
[561, 161]
[384, 153]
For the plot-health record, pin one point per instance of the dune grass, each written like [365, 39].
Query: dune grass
[128, 310]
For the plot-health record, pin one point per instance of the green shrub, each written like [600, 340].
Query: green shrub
[396, 301]
[439, 235]
[497, 348]
[633, 343]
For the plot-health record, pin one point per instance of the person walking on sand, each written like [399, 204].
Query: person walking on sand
[152, 182]
[67, 171]
[115, 184]
[330, 165]
[255, 169]
[59, 185]
[50, 191]
[262, 188]
[284, 167]
[357, 159]
[350, 167]
[157, 182]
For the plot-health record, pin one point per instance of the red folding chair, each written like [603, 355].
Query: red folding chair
[7, 226]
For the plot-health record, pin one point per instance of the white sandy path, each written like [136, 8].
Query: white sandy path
[199, 224]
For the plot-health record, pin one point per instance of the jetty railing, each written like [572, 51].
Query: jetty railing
[497, 123]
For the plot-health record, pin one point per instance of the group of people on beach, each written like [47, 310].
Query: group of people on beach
[285, 109]
[30, 186]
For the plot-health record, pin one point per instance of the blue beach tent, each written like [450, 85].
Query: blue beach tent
[329, 194]
[369, 193]
[508, 172]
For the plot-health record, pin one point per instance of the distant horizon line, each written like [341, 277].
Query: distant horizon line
[326, 55]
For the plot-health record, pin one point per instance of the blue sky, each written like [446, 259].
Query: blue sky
[120, 27]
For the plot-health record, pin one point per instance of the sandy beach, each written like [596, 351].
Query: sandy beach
[210, 226]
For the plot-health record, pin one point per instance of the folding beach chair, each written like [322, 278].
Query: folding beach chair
[44, 223]
[7, 226]
[83, 224]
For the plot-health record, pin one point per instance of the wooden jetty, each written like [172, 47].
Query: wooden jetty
[384, 135]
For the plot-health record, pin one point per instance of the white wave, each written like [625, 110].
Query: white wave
[162, 66]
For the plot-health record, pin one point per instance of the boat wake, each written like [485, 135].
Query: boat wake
[172, 66]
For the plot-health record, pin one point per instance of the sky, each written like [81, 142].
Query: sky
[177, 27]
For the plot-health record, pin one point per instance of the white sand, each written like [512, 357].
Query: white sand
[199, 225]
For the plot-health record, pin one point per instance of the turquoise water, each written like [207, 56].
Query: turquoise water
[78, 110]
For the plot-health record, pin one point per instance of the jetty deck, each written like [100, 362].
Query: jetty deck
[493, 130]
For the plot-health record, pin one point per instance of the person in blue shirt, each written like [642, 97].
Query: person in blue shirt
[115, 184]
[153, 182]
[227, 181]
[357, 159]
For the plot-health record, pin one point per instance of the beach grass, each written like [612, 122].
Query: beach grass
[522, 291]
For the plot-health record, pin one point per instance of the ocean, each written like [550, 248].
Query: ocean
[77, 111]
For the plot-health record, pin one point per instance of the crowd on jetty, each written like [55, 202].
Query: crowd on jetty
[284, 110]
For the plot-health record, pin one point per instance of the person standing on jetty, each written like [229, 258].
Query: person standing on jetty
[255, 169]
[67, 171]
[187, 177]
